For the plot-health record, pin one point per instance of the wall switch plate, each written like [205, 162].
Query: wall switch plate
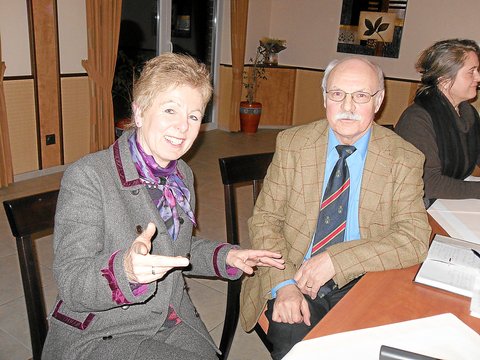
[50, 139]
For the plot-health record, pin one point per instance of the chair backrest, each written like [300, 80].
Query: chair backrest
[236, 170]
[28, 216]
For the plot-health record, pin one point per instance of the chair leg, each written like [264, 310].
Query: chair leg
[34, 299]
[231, 317]
[261, 334]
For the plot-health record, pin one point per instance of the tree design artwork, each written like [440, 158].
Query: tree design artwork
[377, 28]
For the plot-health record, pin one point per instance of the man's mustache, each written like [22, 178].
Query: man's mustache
[348, 116]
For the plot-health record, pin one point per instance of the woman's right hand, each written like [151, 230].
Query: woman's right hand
[142, 267]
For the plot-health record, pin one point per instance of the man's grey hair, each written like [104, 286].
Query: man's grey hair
[334, 63]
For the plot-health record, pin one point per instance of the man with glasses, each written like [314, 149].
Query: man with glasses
[342, 197]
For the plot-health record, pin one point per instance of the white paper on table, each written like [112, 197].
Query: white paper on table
[443, 336]
[459, 218]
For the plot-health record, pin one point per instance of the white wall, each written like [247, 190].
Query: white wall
[311, 30]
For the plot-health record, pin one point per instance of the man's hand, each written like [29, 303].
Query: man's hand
[314, 273]
[290, 306]
[247, 260]
[142, 267]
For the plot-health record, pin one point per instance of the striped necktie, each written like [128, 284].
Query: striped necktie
[332, 218]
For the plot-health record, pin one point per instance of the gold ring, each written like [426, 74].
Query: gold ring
[153, 271]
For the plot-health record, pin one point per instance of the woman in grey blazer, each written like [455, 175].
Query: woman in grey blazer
[123, 233]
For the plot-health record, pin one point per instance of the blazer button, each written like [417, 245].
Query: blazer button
[139, 229]
[109, 337]
[135, 192]
[125, 307]
[181, 221]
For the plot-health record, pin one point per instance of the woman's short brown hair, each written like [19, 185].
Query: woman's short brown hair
[443, 60]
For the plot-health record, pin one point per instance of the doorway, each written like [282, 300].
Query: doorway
[151, 27]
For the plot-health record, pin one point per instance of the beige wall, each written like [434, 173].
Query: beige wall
[75, 118]
[23, 132]
[22, 127]
[15, 40]
[311, 30]
[72, 36]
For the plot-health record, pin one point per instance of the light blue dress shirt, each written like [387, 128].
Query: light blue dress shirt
[356, 163]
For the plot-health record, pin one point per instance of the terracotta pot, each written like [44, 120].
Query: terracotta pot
[250, 116]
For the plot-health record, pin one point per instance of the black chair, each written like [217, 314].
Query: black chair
[239, 170]
[28, 216]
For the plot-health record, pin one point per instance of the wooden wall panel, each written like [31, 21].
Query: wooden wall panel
[308, 104]
[397, 99]
[223, 97]
[44, 37]
[75, 118]
[276, 95]
[20, 100]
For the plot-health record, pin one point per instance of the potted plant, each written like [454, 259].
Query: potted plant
[270, 47]
[251, 110]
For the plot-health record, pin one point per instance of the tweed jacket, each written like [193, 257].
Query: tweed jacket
[393, 222]
[102, 207]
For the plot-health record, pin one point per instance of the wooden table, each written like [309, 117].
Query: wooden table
[386, 297]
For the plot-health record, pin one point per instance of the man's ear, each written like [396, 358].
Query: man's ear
[379, 99]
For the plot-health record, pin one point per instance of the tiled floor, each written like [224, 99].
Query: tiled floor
[209, 296]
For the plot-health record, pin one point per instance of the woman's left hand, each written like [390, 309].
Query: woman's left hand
[247, 259]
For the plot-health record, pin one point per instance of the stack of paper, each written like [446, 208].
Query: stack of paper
[442, 336]
[459, 218]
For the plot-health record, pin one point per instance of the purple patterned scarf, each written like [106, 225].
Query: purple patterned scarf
[169, 181]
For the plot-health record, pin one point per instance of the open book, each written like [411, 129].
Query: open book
[451, 265]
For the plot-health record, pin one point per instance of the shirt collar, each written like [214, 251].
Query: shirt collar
[361, 144]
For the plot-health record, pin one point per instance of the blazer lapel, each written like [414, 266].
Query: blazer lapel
[377, 171]
[312, 159]
[138, 196]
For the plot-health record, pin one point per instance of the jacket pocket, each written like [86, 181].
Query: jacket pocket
[69, 320]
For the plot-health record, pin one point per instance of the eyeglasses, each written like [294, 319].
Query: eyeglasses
[359, 97]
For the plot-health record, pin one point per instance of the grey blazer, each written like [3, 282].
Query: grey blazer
[102, 207]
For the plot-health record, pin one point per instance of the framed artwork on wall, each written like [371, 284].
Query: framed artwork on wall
[372, 27]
